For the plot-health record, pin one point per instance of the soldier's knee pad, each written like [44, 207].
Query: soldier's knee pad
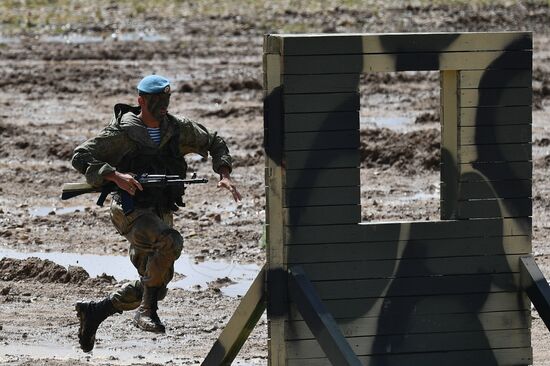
[172, 243]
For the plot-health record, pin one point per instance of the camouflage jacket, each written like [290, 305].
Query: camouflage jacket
[124, 145]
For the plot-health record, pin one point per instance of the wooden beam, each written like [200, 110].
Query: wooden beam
[536, 287]
[237, 330]
[502, 357]
[319, 320]
[336, 64]
[310, 44]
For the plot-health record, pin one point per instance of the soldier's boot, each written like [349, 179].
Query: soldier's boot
[91, 315]
[146, 317]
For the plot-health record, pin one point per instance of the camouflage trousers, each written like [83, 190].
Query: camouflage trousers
[154, 247]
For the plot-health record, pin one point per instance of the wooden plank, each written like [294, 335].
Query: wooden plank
[479, 172]
[326, 140]
[415, 343]
[310, 44]
[330, 102]
[325, 196]
[390, 231]
[241, 324]
[501, 357]
[322, 178]
[320, 322]
[423, 305]
[510, 207]
[422, 286]
[341, 64]
[322, 215]
[330, 83]
[423, 248]
[485, 135]
[325, 121]
[536, 287]
[311, 159]
[275, 276]
[402, 268]
[449, 144]
[429, 323]
[488, 135]
[495, 116]
[504, 189]
[272, 44]
[478, 79]
[495, 153]
[495, 97]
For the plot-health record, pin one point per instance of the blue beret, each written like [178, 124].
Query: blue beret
[154, 84]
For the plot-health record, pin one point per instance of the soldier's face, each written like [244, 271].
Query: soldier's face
[157, 104]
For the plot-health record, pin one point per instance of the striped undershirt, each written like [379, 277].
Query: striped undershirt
[154, 133]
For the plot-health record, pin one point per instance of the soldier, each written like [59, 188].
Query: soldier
[145, 139]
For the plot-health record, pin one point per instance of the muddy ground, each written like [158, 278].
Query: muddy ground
[63, 67]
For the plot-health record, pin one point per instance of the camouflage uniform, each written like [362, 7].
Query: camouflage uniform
[125, 145]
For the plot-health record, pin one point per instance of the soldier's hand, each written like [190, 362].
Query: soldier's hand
[124, 181]
[228, 184]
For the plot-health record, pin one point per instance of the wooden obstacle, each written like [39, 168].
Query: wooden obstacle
[345, 292]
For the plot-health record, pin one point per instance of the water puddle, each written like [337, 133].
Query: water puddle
[196, 274]
[120, 355]
[388, 122]
[75, 38]
[45, 210]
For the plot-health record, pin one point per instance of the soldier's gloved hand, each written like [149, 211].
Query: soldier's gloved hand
[124, 181]
[227, 183]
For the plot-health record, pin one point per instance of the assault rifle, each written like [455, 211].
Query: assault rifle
[70, 190]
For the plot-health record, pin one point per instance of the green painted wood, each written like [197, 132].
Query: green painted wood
[241, 324]
[402, 268]
[311, 159]
[495, 153]
[423, 248]
[330, 102]
[495, 79]
[501, 357]
[340, 64]
[327, 334]
[330, 83]
[415, 230]
[536, 287]
[429, 323]
[322, 121]
[479, 172]
[322, 178]
[325, 140]
[503, 189]
[325, 196]
[322, 215]
[508, 134]
[495, 116]
[414, 343]
[423, 305]
[510, 207]
[449, 143]
[422, 286]
[309, 44]
[495, 97]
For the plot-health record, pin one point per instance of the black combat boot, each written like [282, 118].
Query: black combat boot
[146, 317]
[91, 314]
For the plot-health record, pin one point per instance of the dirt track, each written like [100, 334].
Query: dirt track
[60, 79]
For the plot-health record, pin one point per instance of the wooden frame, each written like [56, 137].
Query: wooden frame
[449, 292]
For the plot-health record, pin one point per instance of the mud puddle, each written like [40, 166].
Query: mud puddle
[76, 38]
[393, 122]
[231, 278]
